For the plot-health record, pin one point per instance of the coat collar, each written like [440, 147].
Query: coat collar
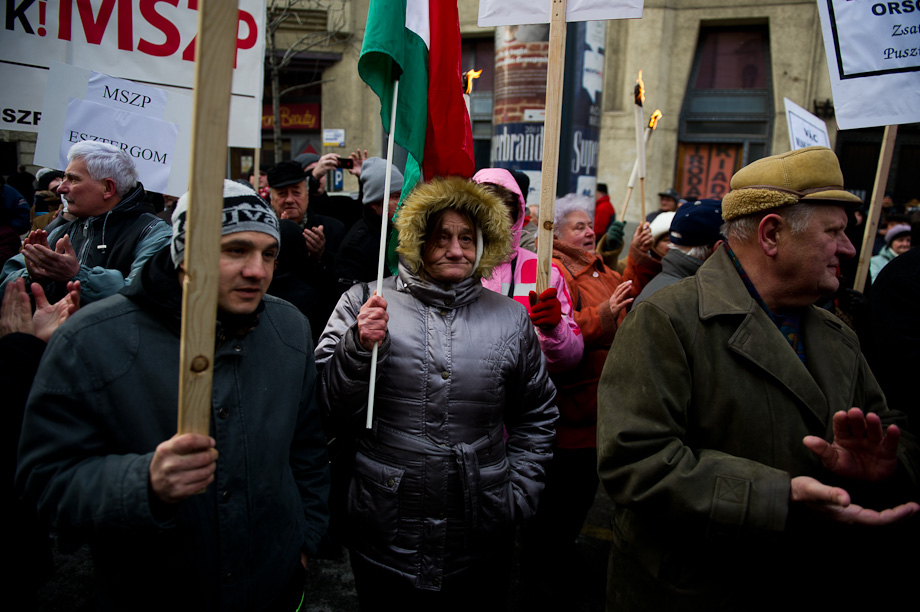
[435, 294]
[829, 353]
[576, 260]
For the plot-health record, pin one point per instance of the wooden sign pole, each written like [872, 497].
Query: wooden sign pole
[875, 207]
[551, 131]
[214, 53]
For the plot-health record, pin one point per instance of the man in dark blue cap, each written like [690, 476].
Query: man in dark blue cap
[694, 237]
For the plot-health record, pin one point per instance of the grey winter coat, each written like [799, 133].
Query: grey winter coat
[436, 487]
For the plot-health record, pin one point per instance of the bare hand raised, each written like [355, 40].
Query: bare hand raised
[862, 449]
[16, 311]
[316, 241]
[618, 299]
[182, 466]
[357, 158]
[643, 237]
[372, 322]
[326, 163]
[48, 317]
[42, 263]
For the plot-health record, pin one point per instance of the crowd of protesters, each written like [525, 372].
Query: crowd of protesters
[744, 408]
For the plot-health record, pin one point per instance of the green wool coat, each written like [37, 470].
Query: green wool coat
[702, 407]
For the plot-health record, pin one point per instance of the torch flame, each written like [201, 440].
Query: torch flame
[653, 120]
[640, 90]
[470, 75]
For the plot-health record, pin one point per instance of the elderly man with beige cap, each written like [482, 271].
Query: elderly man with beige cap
[749, 450]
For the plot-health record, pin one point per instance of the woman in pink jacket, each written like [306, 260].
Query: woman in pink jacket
[551, 312]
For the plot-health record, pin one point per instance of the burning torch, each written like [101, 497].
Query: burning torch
[649, 129]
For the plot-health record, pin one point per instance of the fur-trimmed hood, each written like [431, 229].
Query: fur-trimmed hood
[487, 211]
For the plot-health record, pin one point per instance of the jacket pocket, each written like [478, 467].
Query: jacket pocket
[373, 499]
[496, 497]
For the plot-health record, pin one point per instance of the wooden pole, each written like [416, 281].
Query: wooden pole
[381, 255]
[551, 131]
[257, 153]
[875, 207]
[214, 53]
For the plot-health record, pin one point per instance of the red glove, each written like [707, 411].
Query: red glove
[545, 311]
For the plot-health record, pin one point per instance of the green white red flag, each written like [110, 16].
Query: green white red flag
[418, 41]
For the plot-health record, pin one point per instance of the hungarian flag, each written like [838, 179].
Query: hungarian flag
[418, 42]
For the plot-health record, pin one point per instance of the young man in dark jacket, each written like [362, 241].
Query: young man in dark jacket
[219, 522]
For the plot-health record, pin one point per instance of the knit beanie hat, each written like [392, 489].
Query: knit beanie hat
[244, 211]
[374, 176]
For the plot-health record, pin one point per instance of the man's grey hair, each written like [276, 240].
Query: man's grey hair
[701, 252]
[105, 161]
[568, 204]
[743, 229]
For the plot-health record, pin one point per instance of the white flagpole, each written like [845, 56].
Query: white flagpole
[384, 214]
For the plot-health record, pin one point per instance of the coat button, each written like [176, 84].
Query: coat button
[390, 482]
[237, 348]
[445, 375]
[225, 496]
[444, 312]
[449, 301]
[223, 412]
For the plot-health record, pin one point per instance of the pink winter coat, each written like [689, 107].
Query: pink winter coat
[563, 345]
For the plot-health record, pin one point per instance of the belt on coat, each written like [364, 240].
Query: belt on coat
[466, 456]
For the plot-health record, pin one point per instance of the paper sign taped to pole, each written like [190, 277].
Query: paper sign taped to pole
[520, 12]
[873, 56]
[805, 129]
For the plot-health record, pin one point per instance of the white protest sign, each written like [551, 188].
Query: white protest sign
[150, 142]
[126, 95]
[520, 12]
[121, 114]
[25, 112]
[805, 129]
[152, 41]
[873, 56]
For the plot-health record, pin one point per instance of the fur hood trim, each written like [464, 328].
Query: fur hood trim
[427, 199]
[742, 202]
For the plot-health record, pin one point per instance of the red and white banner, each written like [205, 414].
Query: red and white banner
[149, 41]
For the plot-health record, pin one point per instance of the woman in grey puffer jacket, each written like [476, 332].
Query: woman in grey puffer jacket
[437, 487]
